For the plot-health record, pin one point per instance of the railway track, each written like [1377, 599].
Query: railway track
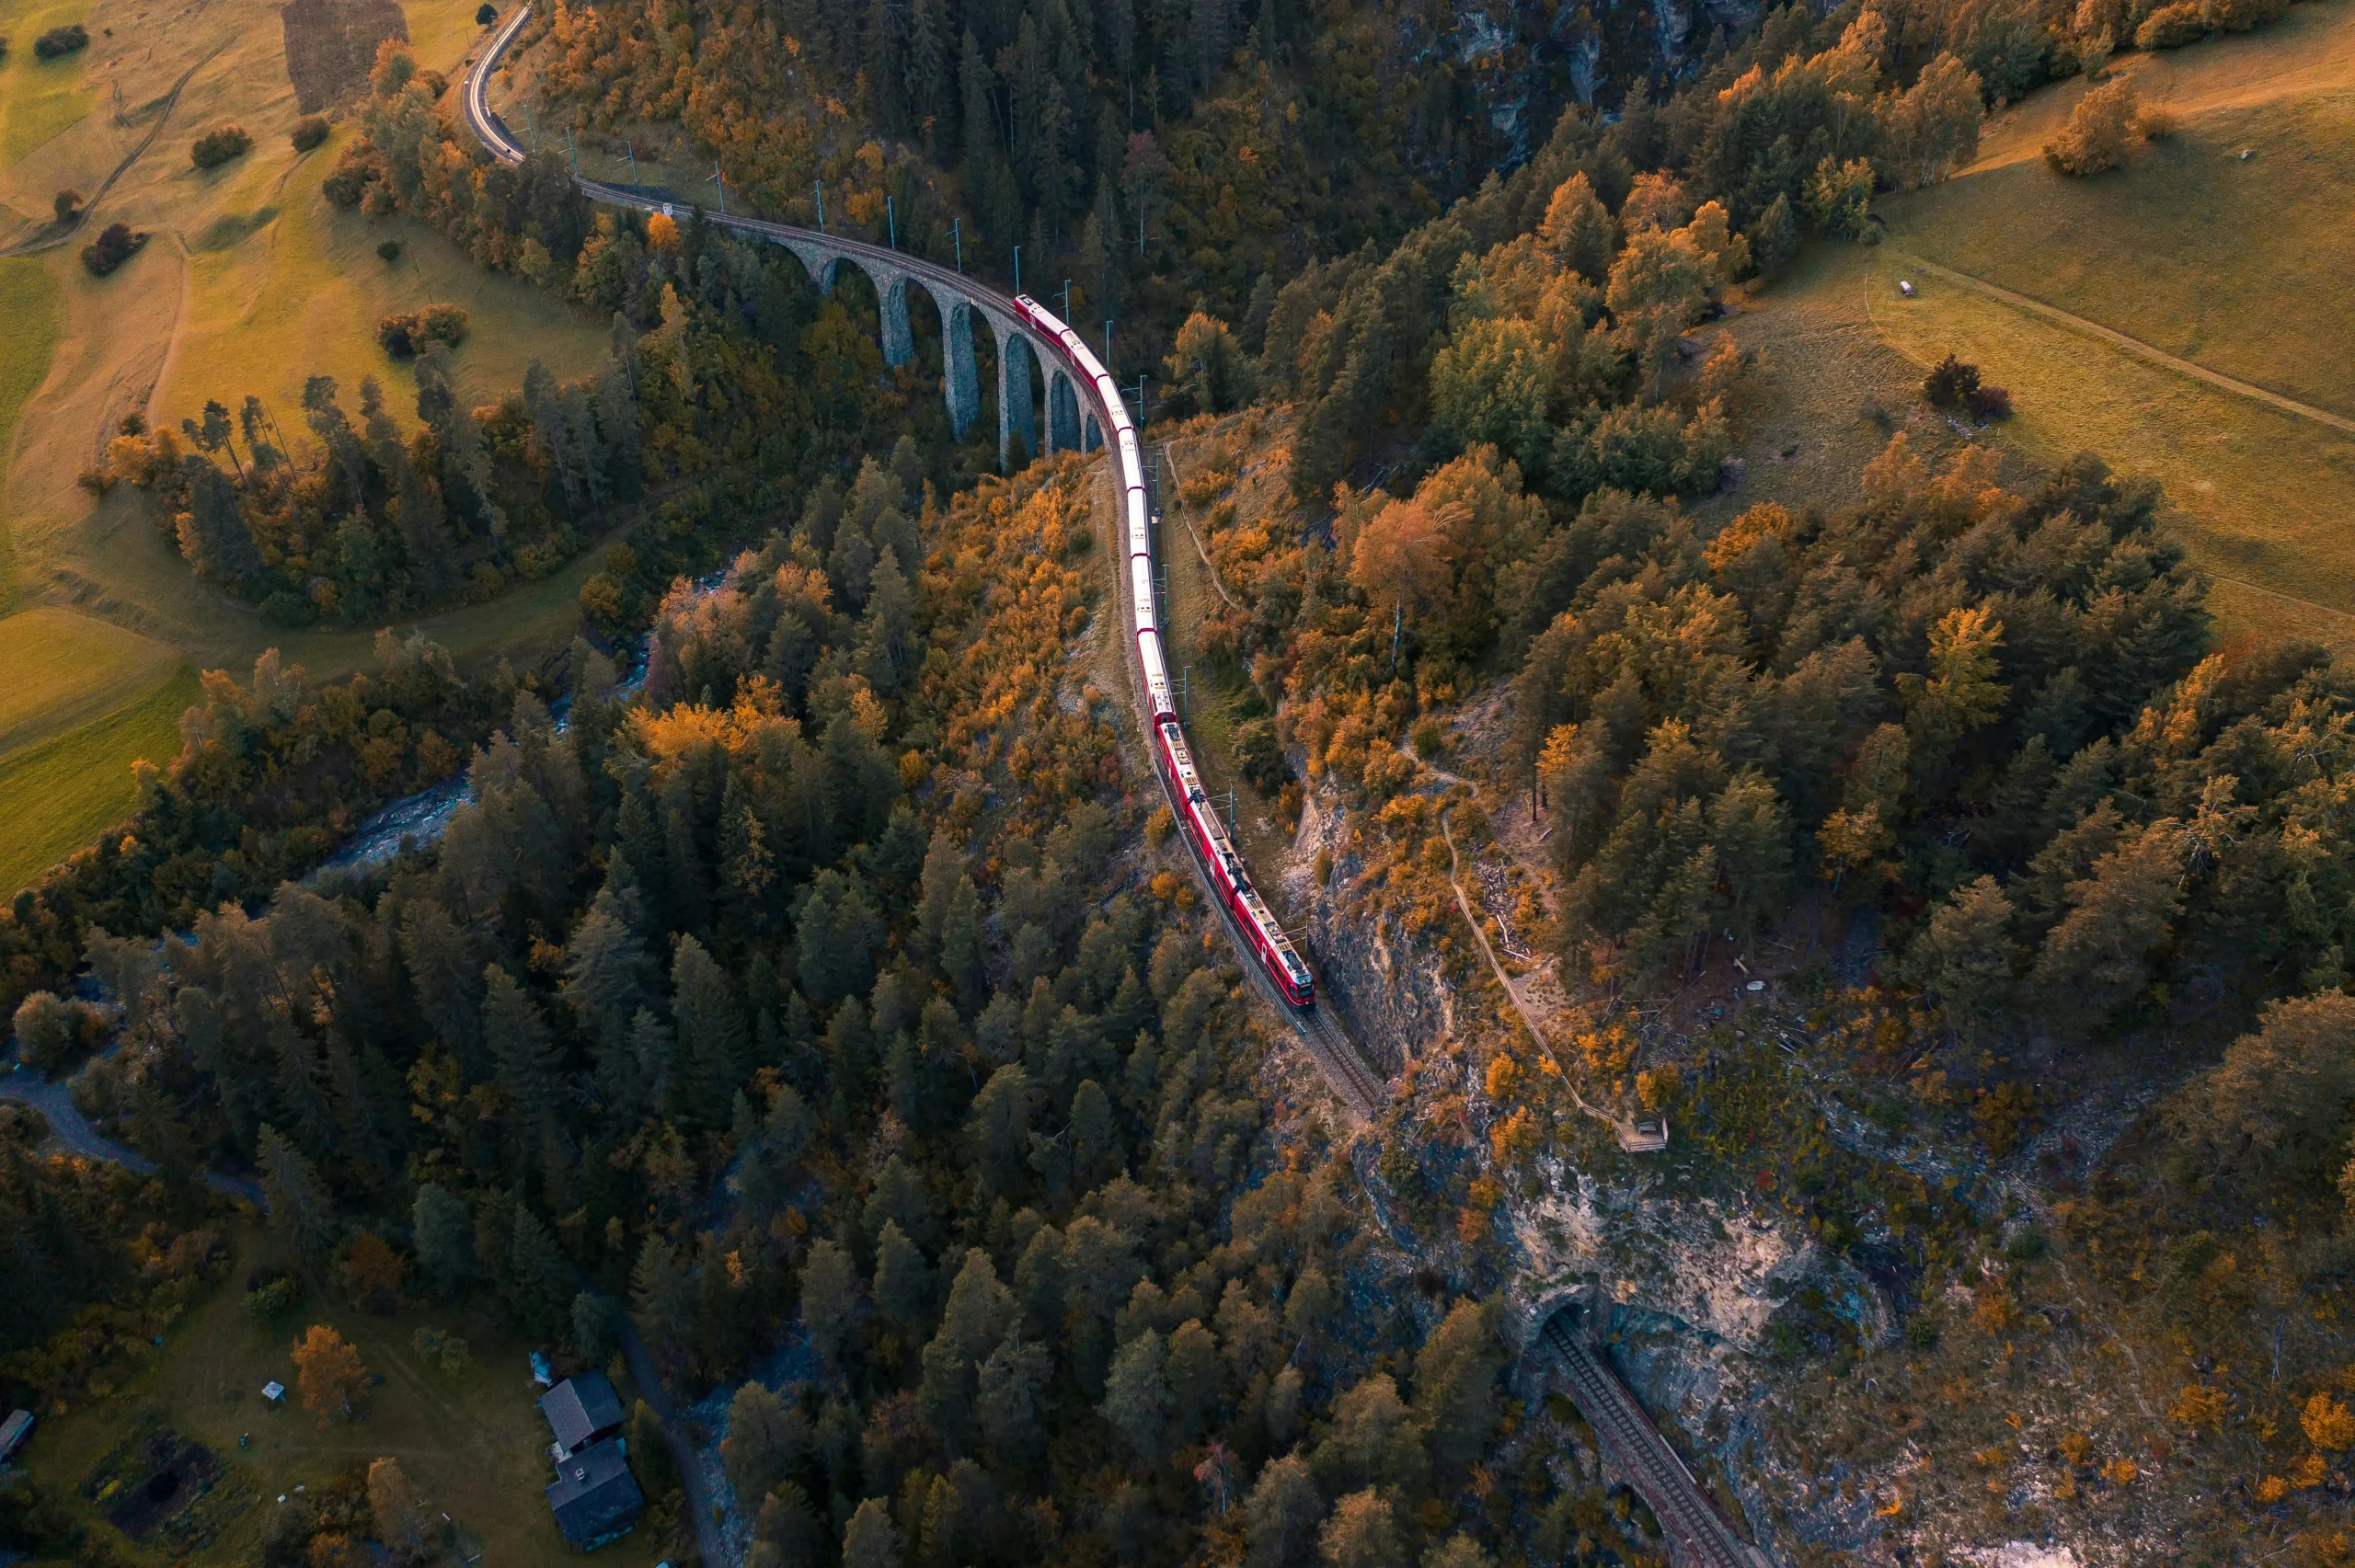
[1701, 1536]
[1698, 1534]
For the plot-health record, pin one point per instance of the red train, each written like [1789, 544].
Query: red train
[1229, 877]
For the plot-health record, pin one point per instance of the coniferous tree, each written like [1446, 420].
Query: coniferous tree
[302, 1211]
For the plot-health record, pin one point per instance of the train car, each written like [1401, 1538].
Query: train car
[1197, 814]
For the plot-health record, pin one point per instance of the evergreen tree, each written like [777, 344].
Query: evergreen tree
[713, 1051]
[1136, 1394]
[540, 1282]
[903, 1279]
[1005, 1405]
[830, 1301]
[927, 74]
[212, 532]
[661, 1294]
[302, 1212]
[516, 1035]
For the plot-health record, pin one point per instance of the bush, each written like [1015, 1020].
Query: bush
[62, 40]
[265, 1304]
[407, 332]
[2170, 26]
[68, 206]
[218, 145]
[1951, 383]
[354, 172]
[2098, 130]
[310, 131]
[113, 246]
[390, 250]
[1991, 403]
[485, 15]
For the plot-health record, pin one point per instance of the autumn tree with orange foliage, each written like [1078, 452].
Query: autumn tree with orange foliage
[374, 1271]
[329, 1372]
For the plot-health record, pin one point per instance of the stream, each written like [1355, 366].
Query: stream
[422, 818]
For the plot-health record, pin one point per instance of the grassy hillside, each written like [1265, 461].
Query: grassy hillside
[2234, 266]
[60, 793]
[39, 98]
[251, 283]
[28, 327]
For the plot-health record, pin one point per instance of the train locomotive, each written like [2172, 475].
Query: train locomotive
[1196, 815]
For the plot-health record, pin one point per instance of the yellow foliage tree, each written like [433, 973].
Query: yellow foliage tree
[2329, 1424]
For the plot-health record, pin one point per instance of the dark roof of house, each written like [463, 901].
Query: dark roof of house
[595, 1493]
[14, 1430]
[581, 1409]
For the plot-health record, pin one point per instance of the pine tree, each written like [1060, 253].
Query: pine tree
[887, 633]
[871, 1539]
[604, 968]
[978, 126]
[903, 1279]
[540, 1282]
[1455, 1376]
[443, 1232]
[302, 1212]
[927, 74]
[1006, 1394]
[212, 532]
[1281, 1514]
[660, 1294]
[830, 1301]
[713, 1050]
[980, 1312]
[517, 1038]
[1136, 1394]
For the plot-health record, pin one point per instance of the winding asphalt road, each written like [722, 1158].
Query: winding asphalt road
[70, 1132]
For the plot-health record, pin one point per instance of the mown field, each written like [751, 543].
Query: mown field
[251, 282]
[2236, 265]
[475, 1443]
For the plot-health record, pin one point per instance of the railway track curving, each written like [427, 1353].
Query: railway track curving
[1700, 1535]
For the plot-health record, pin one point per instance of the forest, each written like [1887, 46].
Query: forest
[834, 1010]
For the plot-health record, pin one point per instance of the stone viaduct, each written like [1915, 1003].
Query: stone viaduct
[1071, 422]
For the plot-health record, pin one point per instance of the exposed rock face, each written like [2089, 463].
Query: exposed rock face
[1530, 61]
[1386, 987]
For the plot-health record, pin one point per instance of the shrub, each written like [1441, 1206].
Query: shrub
[218, 145]
[389, 249]
[62, 40]
[406, 332]
[266, 1303]
[1991, 403]
[2098, 130]
[354, 172]
[2155, 123]
[68, 205]
[2240, 16]
[1951, 383]
[113, 246]
[2170, 26]
[485, 15]
[310, 131]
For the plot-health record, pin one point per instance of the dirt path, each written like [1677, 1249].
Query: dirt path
[1169, 449]
[171, 101]
[1632, 1138]
[2140, 350]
